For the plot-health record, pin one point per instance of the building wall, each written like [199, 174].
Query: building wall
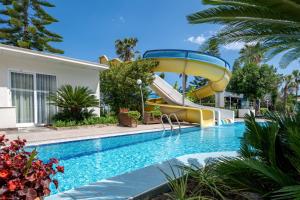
[65, 73]
[7, 117]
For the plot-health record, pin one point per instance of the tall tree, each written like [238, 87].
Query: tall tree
[254, 81]
[296, 75]
[211, 47]
[125, 48]
[23, 24]
[198, 82]
[251, 54]
[273, 23]
[118, 84]
[288, 85]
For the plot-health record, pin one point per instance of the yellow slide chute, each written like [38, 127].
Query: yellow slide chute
[192, 63]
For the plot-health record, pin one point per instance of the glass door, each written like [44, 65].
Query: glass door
[30, 93]
[45, 85]
[22, 88]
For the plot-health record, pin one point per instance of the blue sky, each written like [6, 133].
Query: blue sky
[91, 27]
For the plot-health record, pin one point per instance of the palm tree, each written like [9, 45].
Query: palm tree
[273, 23]
[251, 54]
[288, 84]
[74, 102]
[125, 48]
[211, 47]
[296, 75]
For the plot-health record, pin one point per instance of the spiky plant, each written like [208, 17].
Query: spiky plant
[74, 102]
[273, 23]
[269, 162]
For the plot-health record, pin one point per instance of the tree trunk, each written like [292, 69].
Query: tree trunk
[285, 97]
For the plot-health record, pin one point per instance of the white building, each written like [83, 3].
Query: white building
[27, 77]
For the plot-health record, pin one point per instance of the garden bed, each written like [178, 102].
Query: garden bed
[80, 126]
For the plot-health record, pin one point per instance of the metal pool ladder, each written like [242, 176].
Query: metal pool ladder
[175, 116]
[168, 117]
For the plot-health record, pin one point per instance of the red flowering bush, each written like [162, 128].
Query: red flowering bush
[22, 175]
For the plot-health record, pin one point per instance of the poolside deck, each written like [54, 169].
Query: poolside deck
[45, 135]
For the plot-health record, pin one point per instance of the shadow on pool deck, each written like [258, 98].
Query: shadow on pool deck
[134, 184]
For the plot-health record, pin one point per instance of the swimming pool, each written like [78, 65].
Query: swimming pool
[88, 161]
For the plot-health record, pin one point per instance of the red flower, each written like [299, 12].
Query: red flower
[18, 157]
[13, 185]
[5, 157]
[4, 173]
[8, 162]
[60, 169]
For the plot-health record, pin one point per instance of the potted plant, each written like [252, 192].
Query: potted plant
[129, 118]
[153, 116]
[22, 175]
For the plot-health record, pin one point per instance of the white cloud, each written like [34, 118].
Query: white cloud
[122, 19]
[234, 46]
[197, 39]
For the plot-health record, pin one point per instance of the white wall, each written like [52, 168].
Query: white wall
[65, 73]
[7, 117]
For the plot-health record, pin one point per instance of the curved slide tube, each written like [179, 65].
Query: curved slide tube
[193, 63]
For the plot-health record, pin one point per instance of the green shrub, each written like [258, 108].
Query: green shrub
[61, 123]
[263, 111]
[156, 112]
[134, 115]
[87, 121]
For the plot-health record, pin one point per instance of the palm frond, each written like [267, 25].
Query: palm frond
[288, 192]
[273, 22]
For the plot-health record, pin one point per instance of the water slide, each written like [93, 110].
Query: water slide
[191, 63]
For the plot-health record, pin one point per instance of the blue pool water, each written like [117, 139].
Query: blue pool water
[88, 161]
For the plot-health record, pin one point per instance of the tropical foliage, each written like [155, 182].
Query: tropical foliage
[125, 48]
[275, 24]
[23, 23]
[119, 87]
[269, 158]
[249, 54]
[22, 175]
[211, 47]
[74, 102]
